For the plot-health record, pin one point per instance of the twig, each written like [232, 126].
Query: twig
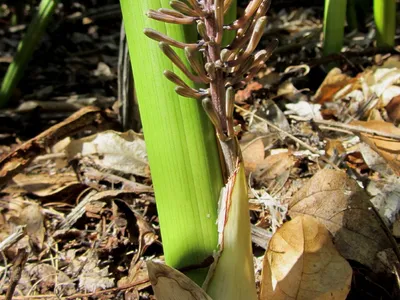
[359, 129]
[77, 212]
[117, 289]
[13, 238]
[3, 280]
[292, 137]
[388, 232]
[16, 271]
[127, 185]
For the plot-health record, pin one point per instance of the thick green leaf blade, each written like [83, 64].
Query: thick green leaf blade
[181, 143]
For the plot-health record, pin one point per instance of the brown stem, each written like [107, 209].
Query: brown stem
[213, 55]
[217, 87]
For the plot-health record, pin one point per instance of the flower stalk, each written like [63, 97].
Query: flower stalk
[224, 68]
[219, 63]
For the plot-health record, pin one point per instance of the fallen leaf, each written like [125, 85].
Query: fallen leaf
[48, 278]
[344, 208]
[243, 95]
[170, 284]
[374, 161]
[334, 148]
[32, 217]
[253, 153]
[305, 109]
[137, 274]
[388, 148]
[121, 152]
[387, 201]
[302, 263]
[92, 277]
[393, 109]
[290, 92]
[44, 185]
[275, 169]
[332, 83]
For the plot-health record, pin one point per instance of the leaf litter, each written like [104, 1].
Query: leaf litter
[89, 224]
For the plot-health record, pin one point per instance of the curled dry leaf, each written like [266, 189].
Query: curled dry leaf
[388, 148]
[170, 284]
[333, 82]
[344, 208]
[302, 263]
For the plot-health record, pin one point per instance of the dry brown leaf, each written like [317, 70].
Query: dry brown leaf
[14, 162]
[253, 154]
[388, 148]
[243, 95]
[302, 263]
[32, 217]
[393, 109]
[275, 169]
[94, 277]
[344, 208]
[332, 83]
[334, 148]
[47, 278]
[122, 152]
[44, 185]
[170, 284]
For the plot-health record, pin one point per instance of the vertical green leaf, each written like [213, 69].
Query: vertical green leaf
[385, 20]
[180, 140]
[334, 20]
[25, 49]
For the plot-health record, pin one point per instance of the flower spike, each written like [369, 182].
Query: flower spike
[183, 8]
[171, 76]
[159, 37]
[171, 54]
[169, 18]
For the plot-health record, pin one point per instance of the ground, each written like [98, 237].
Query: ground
[82, 223]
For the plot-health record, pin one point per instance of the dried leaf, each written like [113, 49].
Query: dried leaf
[43, 185]
[388, 148]
[305, 109]
[93, 278]
[275, 169]
[231, 275]
[386, 200]
[332, 83]
[302, 263]
[170, 284]
[393, 109]
[243, 95]
[253, 153]
[123, 152]
[344, 208]
[374, 161]
[48, 278]
[32, 217]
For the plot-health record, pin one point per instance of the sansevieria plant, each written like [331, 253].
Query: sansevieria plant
[189, 160]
